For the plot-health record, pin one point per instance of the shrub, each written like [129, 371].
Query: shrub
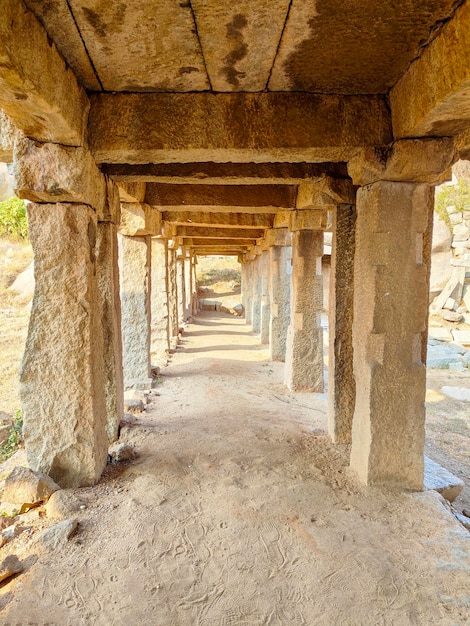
[15, 439]
[452, 195]
[13, 220]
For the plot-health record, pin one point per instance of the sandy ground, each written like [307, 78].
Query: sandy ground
[238, 511]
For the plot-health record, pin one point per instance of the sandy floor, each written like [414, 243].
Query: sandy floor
[239, 512]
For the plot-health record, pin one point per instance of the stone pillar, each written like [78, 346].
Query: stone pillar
[391, 280]
[159, 317]
[265, 302]
[188, 289]
[62, 378]
[71, 375]
[194, 299]
[304, 350]
[249, 292]
[256, 291]
[341, 382]
[281, 270]
[172, 293]
[108, 286]
[391, 290]
[134, 264]
[180, 289]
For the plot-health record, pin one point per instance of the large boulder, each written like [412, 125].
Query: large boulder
[25, 486]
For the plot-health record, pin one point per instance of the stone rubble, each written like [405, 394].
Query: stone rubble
[57, 535]
[10, 566]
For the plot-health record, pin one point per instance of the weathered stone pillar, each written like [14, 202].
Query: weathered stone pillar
[180, 288]
[159, 317]
[391, 284]
[134, 264]
[265, 302]
[249, 290]
[188, 287]
[194, 299]
[62, 379]
[256, 291]
[281, 270]
[172, 293]
[304, 349]
[341, 382]
[108, 289]
[71, 377]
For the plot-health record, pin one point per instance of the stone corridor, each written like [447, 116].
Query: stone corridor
[240, 510]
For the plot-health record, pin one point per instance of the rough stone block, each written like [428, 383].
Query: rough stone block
[441, 480]
[48, 172]
[139, 219]
[23, 485]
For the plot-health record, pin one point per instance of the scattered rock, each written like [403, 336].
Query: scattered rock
[12, 531]
[4, 434]
[463, 519]
[10, 566]
[133, 405]
[458, 393]
[63, 503]
[441, 480]
[155, 371]
[5, 522]
[466, 512]
[451, 316]
[9, 510]
[239, 309]
[57, 535]
[121, 452]
[23, 485]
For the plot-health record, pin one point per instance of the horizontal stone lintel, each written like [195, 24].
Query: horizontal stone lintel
[219, 233]
[217, 243]
[238, 127]
[225, 173]
[219, 220]
[213, 208]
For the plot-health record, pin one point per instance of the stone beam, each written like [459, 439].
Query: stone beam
[221, 195]
[433, 97]
[217, 252]
[311, 219]
[216, 243]
[219, 220]
[325, 193]
[239, 127]
[37, 89]
[217, 208]
[224, 173]
[219, 233]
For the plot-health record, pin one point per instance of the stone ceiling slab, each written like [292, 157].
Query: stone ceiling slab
[219, 233]
[142, 46]
[239, 40]
[60, 25]
[359, 46]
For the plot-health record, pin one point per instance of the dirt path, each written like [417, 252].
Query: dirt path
[239, 512]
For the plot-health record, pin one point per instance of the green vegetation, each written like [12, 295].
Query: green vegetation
[212, 270]
[15, 439]
[452, 195]
[13, 220]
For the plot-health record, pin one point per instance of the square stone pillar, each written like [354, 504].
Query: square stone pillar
[281, 270]
[159, 317]
[172, 293]
[194, 298]
[391, 283]
[304, 350]
[134, 265]
[265, 311]
[180, 282]
[248, 289]
[188, 287]
[341, 382]
[108, 289]
[62, 380]
[256, 295]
